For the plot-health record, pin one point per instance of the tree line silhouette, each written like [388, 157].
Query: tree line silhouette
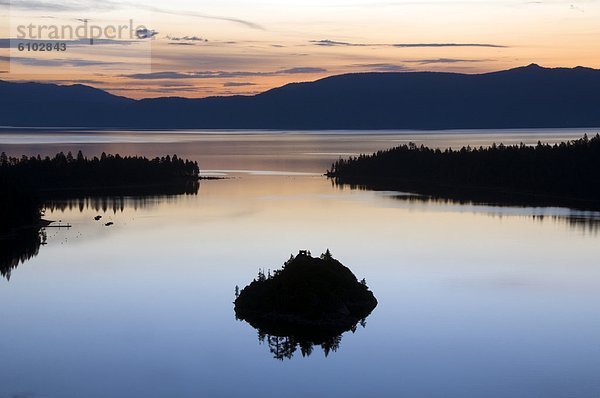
[29, 181]
[567, 173]
[64, 171]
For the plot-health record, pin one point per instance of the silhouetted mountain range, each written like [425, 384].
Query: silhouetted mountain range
[529, 96]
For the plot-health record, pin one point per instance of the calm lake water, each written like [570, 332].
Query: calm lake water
[474, 301]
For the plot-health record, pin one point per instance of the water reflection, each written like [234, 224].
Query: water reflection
[586, 221]
[17, 248]
[586, 224]
[114, 204]
[125, 197]
[475, 292]
[284, 339]
[22, 246]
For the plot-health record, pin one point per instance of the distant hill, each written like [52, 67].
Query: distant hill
[50, 105]
[529, 96]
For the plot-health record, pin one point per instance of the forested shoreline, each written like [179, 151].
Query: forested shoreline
[561, 174]
[29, 181]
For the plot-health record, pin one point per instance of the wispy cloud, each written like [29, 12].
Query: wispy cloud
[292, 71]
[187, 38]
[90, 82]
[163, 90]
[244, 22]
[94, 5]
[220, 74]
[448, 45]
[60, 62]
[238, 84]
[383, 67]
[40, 5]
[332, 43]
[445, 61]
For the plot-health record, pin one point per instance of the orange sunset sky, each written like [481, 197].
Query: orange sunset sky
[225, 47]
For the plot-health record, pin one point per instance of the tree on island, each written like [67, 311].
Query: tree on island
[326, 256]
[309, 301]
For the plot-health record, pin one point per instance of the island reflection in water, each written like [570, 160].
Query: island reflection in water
[284, 340]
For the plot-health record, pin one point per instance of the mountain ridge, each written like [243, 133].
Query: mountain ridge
[525, 97]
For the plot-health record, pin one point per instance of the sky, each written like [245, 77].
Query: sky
[228, 47]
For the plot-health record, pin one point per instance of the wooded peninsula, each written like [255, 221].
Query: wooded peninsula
[544, 175]
[29, 181]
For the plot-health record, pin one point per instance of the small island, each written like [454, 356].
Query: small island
[310, 301]
[565, 174]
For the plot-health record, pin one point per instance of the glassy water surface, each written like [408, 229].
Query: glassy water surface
[474, 300]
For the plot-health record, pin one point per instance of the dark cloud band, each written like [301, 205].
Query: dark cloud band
[220, 74]
[332, 43]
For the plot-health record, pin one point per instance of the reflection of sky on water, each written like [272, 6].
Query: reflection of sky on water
[478, 301]
[256, 173]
